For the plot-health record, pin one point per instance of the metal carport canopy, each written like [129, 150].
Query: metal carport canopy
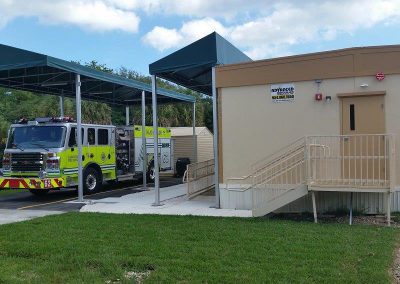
[191, 66]
[29, 71]
[194, 67]
[25, 70]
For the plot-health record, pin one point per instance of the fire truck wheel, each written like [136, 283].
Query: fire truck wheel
[91, 181]
[39, 192]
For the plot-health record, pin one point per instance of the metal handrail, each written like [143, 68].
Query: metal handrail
[276, 162]
[184, 178]
[318, 166]
[198, 177]
[278, 153]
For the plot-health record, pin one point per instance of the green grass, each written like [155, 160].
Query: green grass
[8, 192]
[95, 248]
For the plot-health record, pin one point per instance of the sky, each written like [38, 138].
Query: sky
[135, 33]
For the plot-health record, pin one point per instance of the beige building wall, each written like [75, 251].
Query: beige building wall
[254, 127]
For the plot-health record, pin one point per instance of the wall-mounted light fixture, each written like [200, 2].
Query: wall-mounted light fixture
[318, 95]
[364, 85]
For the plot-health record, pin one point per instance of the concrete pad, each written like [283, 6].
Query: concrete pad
[12, 215]
[173, 201]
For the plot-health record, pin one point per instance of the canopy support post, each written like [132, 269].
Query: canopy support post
[215, 132]
[127, 115]
[144, 148]
[62, 104]
[79, 135]
[155, 140]
[194, 135]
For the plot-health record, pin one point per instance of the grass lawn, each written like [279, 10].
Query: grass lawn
[97, 248]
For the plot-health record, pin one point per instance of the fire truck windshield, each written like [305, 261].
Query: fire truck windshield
[33, 137]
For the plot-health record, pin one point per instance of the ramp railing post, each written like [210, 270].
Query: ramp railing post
[392, 176]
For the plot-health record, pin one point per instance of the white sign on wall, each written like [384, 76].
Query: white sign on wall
[282, 93]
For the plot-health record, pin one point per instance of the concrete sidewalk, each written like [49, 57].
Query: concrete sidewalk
[11, 215]
[173, 199]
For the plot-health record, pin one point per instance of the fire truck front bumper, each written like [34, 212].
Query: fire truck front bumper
[31, 183]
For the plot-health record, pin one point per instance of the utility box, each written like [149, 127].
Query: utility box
[181, 165]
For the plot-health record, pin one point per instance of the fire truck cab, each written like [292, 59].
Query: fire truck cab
[42, 154]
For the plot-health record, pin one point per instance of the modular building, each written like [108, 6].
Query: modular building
[308, 132]
[328, 120]
[198, 148]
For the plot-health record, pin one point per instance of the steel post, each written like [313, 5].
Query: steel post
[351, 209]
[79, 135]
[194, 134]
[314, 203]
[144, 139]
[215, 132]
[388, 208]
[62, 104]
[127, 115]
[155, 140]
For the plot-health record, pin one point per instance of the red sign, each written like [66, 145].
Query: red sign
[318, 97]
[380, 76]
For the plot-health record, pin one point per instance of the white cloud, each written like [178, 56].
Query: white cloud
[262, 28]
[292, 24]
[88, 14]
[169, 38]
[204, 8]
[283, 24]
[162, 38]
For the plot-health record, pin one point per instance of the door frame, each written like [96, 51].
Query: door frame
[343, 96]
[358, 94]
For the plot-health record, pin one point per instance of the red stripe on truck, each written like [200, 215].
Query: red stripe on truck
[3, 184]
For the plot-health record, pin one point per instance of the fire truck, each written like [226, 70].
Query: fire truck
[42, 155]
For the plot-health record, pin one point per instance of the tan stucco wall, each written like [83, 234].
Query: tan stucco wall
[254, 127]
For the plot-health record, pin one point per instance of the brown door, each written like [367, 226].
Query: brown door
[363, 155]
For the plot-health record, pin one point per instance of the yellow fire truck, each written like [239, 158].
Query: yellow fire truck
[41, 155]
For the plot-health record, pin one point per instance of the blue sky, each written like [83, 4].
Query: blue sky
[133, 33]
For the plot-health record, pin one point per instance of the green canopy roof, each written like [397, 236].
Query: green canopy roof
[191, 65]
[25, 70]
